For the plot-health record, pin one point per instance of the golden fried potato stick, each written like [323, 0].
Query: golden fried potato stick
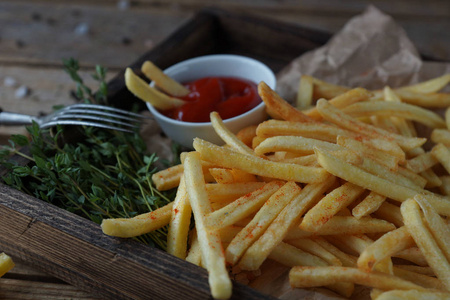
[6, 263]
[338, 117]
[441, 136]
[341, 101]
[387, 245]
[177, 235]
[425, 241]
[228, 158]
[304, 277]
[143, 91]
[305, 92]
[162, 81]
[345, 225]
[421, 162]
[431, 100]
[430, 86]
[247, 134]
[279, 106]
[396, 109]
[368, 205]
[437, 226]
[227, 136]
[138, 225]
[442, 154]
[213, 257]
[379, 185]
[319, 131]
[295, 144]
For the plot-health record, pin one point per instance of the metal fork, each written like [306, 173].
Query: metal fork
[79, 114]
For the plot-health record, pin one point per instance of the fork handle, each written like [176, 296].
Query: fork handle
[14, 119]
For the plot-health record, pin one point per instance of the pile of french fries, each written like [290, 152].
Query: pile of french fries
[341, 189]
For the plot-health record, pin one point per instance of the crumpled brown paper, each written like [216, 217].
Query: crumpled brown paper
[370, 51]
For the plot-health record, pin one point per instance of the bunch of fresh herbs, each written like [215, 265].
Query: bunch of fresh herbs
[104, 174]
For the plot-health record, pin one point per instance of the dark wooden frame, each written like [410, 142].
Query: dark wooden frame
[74, 249]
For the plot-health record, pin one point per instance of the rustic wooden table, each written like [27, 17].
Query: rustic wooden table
[35, 36]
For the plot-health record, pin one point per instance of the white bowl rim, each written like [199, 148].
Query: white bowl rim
[208, 57]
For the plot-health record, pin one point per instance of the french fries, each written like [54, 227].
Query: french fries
[6, 263]
[343, 193]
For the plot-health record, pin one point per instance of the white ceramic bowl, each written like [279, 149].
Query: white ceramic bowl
[214, 65]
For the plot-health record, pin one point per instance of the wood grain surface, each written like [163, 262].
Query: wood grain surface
[36, 35]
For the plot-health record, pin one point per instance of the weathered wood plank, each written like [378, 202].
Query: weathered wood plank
[117, 37]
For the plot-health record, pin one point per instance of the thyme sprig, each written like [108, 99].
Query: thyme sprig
[104, 174]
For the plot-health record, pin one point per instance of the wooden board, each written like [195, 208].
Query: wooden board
[74, 249]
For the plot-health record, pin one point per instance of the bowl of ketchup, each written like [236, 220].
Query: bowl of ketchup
[223, 83]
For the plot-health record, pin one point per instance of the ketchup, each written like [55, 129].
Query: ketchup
[228, 96]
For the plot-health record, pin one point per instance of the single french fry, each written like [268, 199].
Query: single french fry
[138, 225]
[143, 91]
[242, 207]
[304, 277]
[341, 101]
[424, 100]
[419, 279]
[255, 228]
[194, 254]
[319, 131]
[437, 226]
[447, 118]
[323, 89]
[442, 154]
[396, 109]
[425, 241]
[168, 178]
[413, 295]
[6, 263]
[295, 144]
[329, 205]
[164, 82]
[417, 269]
[247, 134]
[441, 136]
[445, 186]
[177, 235]
[429, 86]
[305, 92]
[368, 205]
[345, 225]
[414, 255]
[386, 246]
[227, 136]
[211, 246]
[338, 117]
[230, 159]
[275, 233]
[391, 213]
[379, 185]
[421, 162]
[278, 105]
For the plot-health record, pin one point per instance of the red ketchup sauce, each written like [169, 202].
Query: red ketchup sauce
[229, 96]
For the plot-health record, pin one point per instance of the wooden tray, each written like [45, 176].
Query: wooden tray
[74, 249]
